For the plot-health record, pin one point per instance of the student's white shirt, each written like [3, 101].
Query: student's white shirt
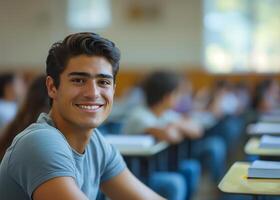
[141, 118]
[8, 110]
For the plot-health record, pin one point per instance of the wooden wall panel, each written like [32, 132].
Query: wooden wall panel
[199, 79]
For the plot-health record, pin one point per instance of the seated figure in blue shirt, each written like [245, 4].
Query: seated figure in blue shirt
[63, 155]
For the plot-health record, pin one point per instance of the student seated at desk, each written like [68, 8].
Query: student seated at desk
[35, 102]
[267, 97]
[158, 119]
[224, 107]
[63, 155]
[153, 121]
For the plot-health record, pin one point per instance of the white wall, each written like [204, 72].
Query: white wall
[29, 27]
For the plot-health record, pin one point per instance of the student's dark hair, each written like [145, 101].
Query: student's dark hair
[222, 84]
[158, 85]
[260, 91]
[85, 43]
[35, 102]
[5, 79]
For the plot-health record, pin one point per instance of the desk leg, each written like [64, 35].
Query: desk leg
[146, 168]
[255, 197]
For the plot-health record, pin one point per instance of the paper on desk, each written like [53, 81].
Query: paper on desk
[268, 141]
[135, 141]
[263, 128]
[270, 118]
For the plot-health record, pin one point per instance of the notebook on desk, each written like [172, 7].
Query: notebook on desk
[270, 142]
[262, 128]
[270, 118]
[264, 169]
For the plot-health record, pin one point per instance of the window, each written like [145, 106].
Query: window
[89, 14]
[242, 35]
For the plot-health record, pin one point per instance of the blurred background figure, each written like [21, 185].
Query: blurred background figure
[12, 88]
[35, 102]
[267, 96]
[156, 117]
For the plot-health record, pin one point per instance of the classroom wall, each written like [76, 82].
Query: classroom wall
[172, 38]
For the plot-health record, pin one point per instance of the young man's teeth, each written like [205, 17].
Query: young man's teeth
[88, 107]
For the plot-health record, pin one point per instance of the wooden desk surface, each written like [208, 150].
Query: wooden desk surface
[252, 148]
[143, 151]
[236, 181]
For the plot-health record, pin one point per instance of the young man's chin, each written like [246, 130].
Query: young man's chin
[92, 125]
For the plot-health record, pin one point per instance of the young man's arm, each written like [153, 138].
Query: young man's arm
[189, 128]
[59, 188]
[127, 186]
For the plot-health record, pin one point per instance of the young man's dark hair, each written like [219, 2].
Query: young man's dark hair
[85, 43]
[158, 85]
[5, 79]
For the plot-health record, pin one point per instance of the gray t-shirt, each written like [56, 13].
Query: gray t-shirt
[41, 152]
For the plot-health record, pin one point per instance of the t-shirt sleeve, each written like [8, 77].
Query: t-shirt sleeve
[38, 157]
[113, 161]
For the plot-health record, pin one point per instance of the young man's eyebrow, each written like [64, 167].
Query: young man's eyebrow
[88, 75]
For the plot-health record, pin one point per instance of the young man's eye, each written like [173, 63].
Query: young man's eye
[78, 80]
[104, 82]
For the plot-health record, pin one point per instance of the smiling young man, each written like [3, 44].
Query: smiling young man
[62, 155]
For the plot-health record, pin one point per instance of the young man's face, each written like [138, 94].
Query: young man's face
[85, 95]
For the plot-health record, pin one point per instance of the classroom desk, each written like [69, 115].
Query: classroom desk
[176, 154]
[252, 148]
[142, 161]
[235, 181]
[143, 151]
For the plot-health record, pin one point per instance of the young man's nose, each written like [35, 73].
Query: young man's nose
[91, 89]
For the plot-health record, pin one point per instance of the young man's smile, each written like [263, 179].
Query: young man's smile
[90, 107]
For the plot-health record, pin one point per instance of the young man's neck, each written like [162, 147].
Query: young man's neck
[77, 137]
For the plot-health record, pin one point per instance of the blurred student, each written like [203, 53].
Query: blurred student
[35, 102]
[157, 117]
[267, 96]
[220, 112]
[11, 88]
[63, 155]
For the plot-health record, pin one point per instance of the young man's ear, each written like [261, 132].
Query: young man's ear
[52, 91]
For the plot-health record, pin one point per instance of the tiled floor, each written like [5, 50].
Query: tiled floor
[207, 189]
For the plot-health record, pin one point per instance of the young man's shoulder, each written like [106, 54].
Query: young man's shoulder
[37, 154]
[39, 132]
[38, 141]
